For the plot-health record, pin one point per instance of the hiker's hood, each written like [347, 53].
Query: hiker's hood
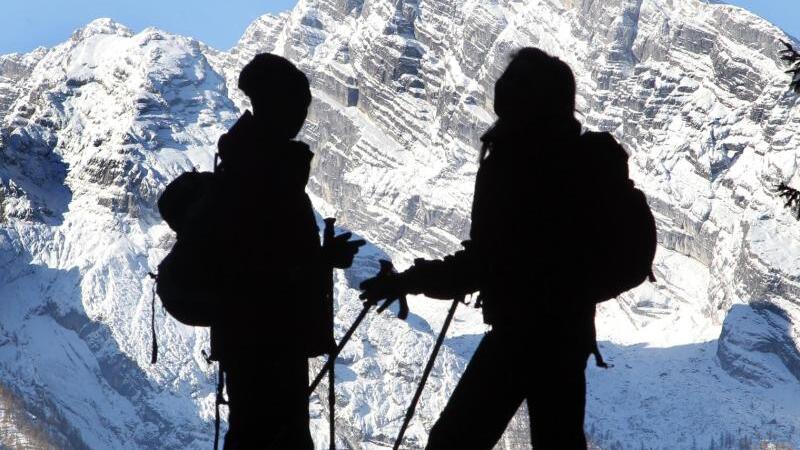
[249, 150]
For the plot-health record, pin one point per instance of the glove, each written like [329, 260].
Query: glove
[388, 285]
[382, 286]
[339, 251]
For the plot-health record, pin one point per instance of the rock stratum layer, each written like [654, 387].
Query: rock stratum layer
[93, 129]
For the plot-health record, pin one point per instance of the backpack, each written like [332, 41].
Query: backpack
[186, 276]
[623, 236]
[185, 280]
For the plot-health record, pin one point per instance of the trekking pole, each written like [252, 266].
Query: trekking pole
[386, 269]
[332, 408]
[332, 357]
[328, 236]
[427, 372]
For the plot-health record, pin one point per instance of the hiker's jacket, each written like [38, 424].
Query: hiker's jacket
[528, 238]
[273, 270]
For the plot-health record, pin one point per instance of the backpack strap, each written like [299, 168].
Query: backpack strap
[332, 404]
[154, 351]
[598, 357]
[220, 397]
[220, 400]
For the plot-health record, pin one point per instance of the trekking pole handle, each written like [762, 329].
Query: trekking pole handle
[330, 231]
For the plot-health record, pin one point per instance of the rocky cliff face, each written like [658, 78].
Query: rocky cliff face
[93, 129]
[99, 125]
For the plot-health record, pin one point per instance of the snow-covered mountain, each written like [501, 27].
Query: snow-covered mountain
[93, 129]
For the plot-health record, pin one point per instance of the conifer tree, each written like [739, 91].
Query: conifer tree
[792, 57]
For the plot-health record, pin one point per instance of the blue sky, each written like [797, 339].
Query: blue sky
[26, 24]
[783, 13]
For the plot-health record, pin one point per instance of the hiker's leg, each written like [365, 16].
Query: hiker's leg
[268, 405]
[485, 399]
[291, 409]
[556, 404]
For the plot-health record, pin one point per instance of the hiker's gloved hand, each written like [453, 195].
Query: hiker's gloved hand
[388, 285]
[340, 251]
[384, 286]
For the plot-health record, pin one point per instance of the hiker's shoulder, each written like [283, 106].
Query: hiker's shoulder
[244, 129]
[602, 155]
[298, 152]
[602, 144]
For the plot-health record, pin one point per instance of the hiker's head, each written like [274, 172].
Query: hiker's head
[534, 86]
[279, 93]
[536, 93]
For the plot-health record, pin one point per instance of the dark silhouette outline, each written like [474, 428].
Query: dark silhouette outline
[539, 273]
[263, 166]
[249, 264]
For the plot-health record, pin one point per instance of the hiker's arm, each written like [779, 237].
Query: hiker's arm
[454, 276]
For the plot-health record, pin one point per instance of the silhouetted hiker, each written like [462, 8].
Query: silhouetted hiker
[249, 243]
[276, 266]
[556, 228]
